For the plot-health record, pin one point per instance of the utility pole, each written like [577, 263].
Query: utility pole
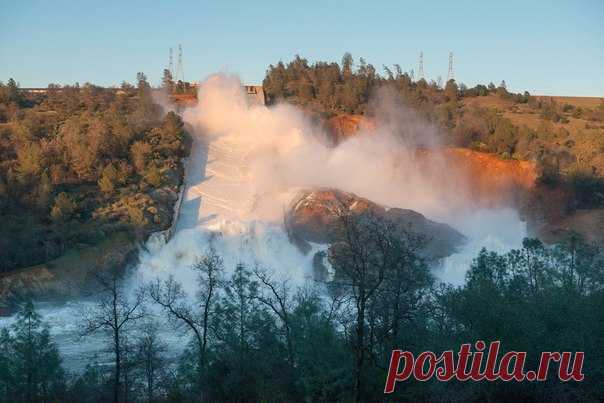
[171, 64]
[450, 75]
[180, 74]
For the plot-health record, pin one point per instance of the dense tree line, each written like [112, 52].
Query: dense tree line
[255, 337]
[78, 163]
[332, 88]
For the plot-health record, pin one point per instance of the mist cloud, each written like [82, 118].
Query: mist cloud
[285, 151]
[259, 157]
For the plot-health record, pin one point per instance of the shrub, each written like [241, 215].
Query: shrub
[108, 180]
[136, 215]
[153, 176]
[63, 208]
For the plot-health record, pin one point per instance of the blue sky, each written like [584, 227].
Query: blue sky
[545, 47]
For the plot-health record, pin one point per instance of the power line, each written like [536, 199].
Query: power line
[171, 64]
[450, 75]
[420, 71]
[180, 74]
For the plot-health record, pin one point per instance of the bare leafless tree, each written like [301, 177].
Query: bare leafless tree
[372, 259]
[149, 349]
[361, 271]
[114, 311]
[196, 317]
[277, 296]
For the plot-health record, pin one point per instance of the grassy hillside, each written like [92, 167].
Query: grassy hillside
[576, 123]
[571, 128]
[579, 102]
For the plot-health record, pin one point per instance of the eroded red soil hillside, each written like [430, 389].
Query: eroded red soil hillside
[492, 180]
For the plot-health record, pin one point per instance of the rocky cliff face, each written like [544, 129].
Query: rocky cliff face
[314, 216]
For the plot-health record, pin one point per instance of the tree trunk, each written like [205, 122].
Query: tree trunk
[118, 364]
[150, 382]
[360, 351]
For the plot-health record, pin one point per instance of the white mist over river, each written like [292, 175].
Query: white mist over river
[246, 164]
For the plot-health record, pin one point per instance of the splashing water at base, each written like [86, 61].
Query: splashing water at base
[498, 230]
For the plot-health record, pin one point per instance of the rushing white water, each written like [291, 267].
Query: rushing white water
[245, 165]
[498, 230]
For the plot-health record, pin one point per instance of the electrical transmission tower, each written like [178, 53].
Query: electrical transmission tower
[180, 74]
[420, 71]
[171, 65]
[450, 75]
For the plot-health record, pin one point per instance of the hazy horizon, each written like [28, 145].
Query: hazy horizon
[546, 48]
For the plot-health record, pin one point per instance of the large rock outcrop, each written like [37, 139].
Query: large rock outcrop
[314, 217]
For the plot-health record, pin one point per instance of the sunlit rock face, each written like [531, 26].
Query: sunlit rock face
[314, 216]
